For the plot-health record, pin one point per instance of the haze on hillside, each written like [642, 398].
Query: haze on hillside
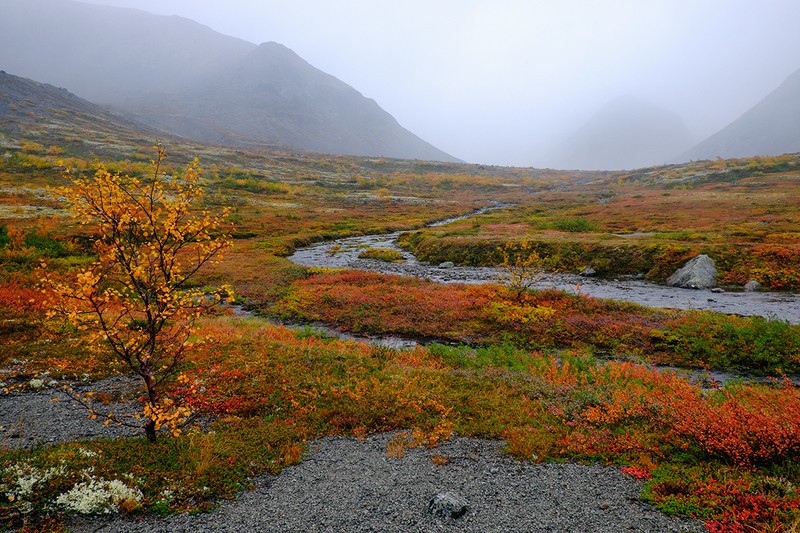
[510, 81]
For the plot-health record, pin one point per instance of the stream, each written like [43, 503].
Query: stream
[343, 253]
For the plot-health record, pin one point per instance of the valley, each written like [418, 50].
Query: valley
[236, 294]
[554, 375]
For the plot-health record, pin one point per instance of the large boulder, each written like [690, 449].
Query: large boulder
[752, 286]
[698, 273]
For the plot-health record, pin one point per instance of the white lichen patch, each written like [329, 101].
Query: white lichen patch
[372, 197]
[83, 452]
[98, 496]
[24, 191]
[277, 205]
[22, 480]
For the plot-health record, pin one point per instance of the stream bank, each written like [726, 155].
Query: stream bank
[343, 253]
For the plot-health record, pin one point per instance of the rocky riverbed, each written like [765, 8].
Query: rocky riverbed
[343, 253]
[42, 415]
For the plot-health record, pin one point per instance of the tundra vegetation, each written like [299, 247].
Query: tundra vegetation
[557, 377]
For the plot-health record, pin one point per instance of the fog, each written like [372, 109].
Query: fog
[504, 81]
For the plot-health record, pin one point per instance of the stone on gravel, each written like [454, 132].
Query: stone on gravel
[698, 273]
[347, 485]
[447, 264]
[447, 505]
[588, 272]
[752, 286]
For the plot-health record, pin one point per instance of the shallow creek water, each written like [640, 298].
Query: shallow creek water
[343, 253]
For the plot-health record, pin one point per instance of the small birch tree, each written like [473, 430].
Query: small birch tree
[136, 298]
[522, 265]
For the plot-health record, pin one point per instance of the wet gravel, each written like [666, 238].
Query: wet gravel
[343, 484]
[347, 485]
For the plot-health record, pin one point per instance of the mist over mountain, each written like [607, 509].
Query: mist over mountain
[105, 54]
[627, 132]
[771, 127]
[26, 104]
[183, 77]
[273, 95]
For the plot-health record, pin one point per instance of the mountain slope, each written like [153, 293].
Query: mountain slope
[274, 96]
[771, 127]
[181, 76]
[626, 133]
[39, 110]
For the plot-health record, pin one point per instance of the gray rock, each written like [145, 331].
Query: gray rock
[447, 264]
[717, 290]
[752, 286]
[698, 273]
[588, 272]
[447, 505]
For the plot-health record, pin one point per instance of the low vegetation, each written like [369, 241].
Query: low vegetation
[381, 254]
[481, 315]
[557, 377]
[740, 212]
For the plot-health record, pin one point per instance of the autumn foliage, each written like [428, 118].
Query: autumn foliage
[555, 376]
[135, 299]
[485, 314]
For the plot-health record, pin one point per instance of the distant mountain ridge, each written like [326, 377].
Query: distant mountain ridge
[626, 133]
[771, 127]
[181, 76]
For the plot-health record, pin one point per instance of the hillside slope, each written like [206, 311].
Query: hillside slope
[40, 111]
[771, 127]
[274, 96]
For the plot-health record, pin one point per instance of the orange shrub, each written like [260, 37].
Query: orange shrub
[747, 425]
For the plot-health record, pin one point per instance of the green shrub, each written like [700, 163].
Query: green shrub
[752, 344]
[4, 238]
[575, 225]
[46, 245]
[381, 254]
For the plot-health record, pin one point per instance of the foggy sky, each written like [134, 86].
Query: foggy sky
[503, 81]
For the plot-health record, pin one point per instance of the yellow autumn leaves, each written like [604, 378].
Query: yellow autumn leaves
[150, 240]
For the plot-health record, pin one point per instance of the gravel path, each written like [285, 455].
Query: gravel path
[346, 485]
[49, 415]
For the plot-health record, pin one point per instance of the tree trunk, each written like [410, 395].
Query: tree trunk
[150, 430]
[152, 398]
